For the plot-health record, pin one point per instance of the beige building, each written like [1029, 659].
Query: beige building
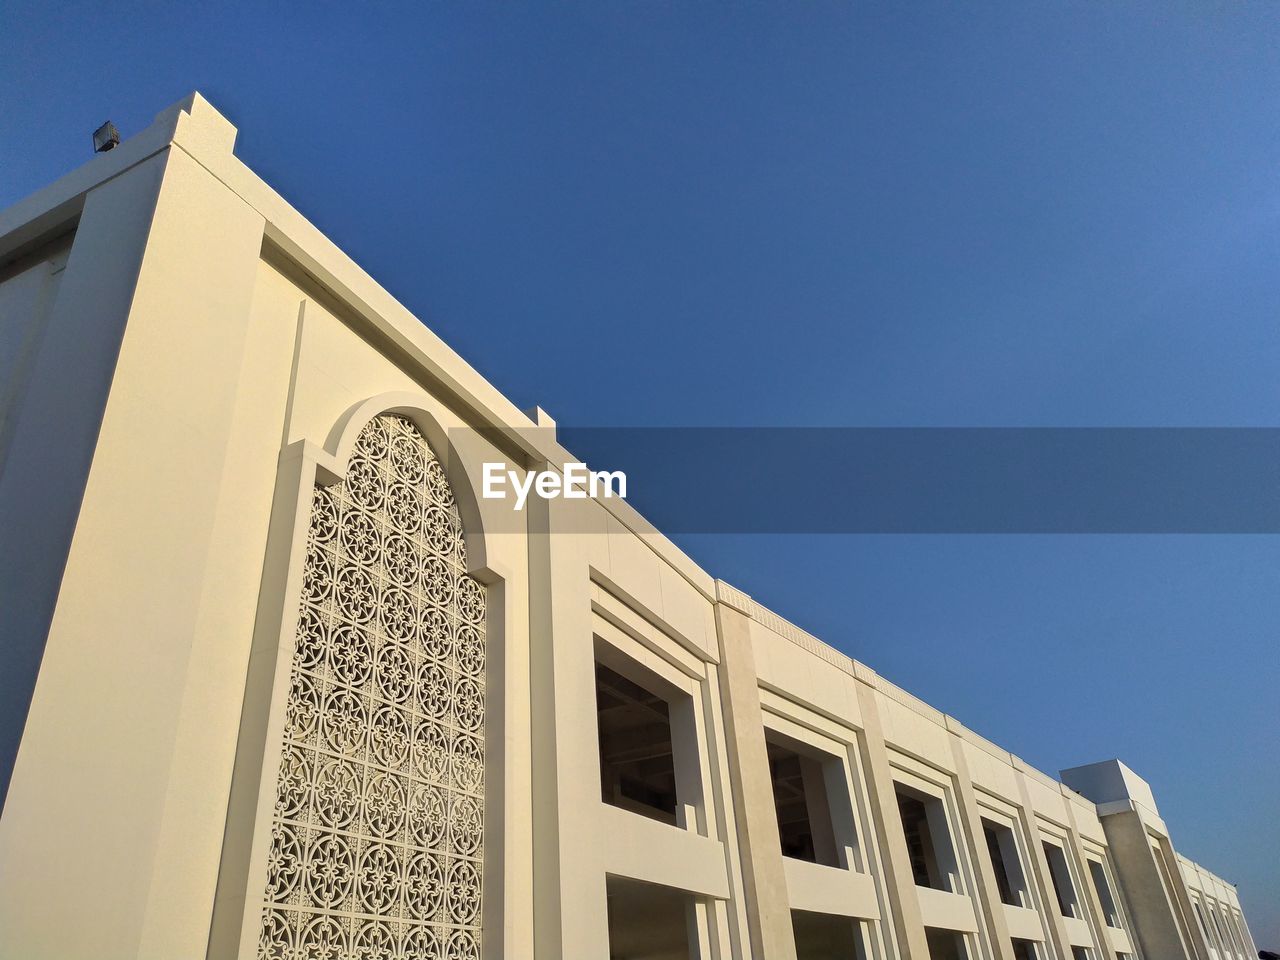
[298, 690]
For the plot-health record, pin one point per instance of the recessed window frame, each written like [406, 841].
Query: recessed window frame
[1007, 814]
[1094, 851]
[837, 787]
[1241, 930]
[1105, 892]
[938, 787]
[1021, 884]
[843, 743]
[670, 900]
[861, 932]
[1084, 929]
[670, 679]
[962, 941]
[1077, 911]
[1224, 933]
[1203, 911]
[706, 802]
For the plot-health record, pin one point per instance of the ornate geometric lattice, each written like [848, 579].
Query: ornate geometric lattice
[377, 836]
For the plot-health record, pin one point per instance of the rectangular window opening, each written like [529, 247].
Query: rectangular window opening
[1204, 927]
[648, 920]
[637, 766]
[1062, 885]
[1002, 846]
[1025, 949]
[1217, 925]
[802, 803]
[824, 936]
[924, 824]
[1109, 909]
[945, 944]
[1237, 931]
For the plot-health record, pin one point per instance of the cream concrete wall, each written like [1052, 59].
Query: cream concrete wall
[1227, 932]
[28, 289]
[178, 376]
[149, 598]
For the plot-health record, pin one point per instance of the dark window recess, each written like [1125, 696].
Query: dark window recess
[1006, 862]
[945, 944]
[915, 825]
[822, 936]
[992, 834]
[646, 919]
[1061, 875]
[1024, 949]
[1204, 927]
[1104, 894]
[637, 771]
[801, 804]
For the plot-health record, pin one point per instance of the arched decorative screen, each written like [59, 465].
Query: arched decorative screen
[377, 841]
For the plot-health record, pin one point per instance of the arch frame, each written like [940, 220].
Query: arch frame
[303, 466]
[334, 458]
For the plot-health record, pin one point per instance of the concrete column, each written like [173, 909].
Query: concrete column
[818, 808]
[764, 879]
[988, 893]
[570, 907]
[900, 885]
[1182, 899]
[113, 827]
[698, 923]
[1137, 871]
[236, 923]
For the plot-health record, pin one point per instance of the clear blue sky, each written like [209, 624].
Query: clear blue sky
[827, 214]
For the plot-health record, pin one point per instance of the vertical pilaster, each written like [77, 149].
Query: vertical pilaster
[570, 905]
[1182, 898]
[900, 884]
[988, 893]
[764, 879]
[1138, 873]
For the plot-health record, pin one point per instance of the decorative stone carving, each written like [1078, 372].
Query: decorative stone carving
[377, 842]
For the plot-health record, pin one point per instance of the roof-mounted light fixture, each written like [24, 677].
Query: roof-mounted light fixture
[105, 137]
